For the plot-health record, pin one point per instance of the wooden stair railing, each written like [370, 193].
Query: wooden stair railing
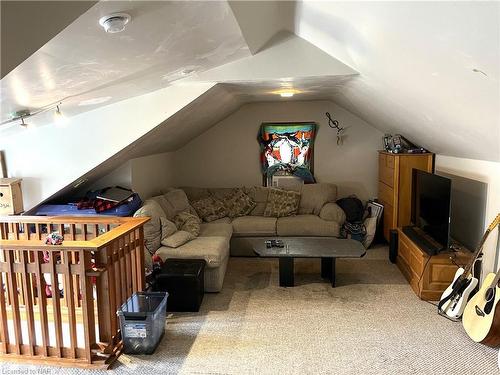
[58, 303]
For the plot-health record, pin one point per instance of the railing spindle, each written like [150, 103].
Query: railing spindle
[28, 302]
[56, 304]
[42, 302]
[14, 301]
[70, 302]
[4, 333]
[87, 304]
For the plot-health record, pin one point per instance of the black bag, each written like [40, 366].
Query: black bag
[353, 208]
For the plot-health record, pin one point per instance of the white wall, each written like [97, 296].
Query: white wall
[50, 158]
[228, 153]
[487, 172]
[152, 174]
[121, 176]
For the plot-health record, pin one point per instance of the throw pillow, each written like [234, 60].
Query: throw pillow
[210, 209]
[177, 239]
[259, 195]
[371, 227]
[188, 222]
[282, 203]
[167, 228]
[238, 203]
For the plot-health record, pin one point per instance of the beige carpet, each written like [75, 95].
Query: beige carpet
[372, 323]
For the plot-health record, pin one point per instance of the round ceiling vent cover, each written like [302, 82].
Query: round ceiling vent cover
[114, 23]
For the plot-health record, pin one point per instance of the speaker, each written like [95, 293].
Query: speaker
[393, 245]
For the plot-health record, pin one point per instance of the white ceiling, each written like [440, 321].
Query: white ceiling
[87, 68]
[48, 18]
[414, 60]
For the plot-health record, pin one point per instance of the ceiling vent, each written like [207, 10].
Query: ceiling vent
[114, 23]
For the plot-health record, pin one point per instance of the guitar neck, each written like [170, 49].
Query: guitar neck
[478, 252]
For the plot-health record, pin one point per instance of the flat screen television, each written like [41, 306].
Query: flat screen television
[431, 206]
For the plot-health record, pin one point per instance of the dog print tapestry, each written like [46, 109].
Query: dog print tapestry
[287, 147]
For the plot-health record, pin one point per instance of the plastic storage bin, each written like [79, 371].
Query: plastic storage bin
[142, 321]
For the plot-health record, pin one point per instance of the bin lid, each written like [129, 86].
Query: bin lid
[142, 304]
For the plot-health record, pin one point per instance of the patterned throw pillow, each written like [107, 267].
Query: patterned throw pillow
[282, 203]
[238, 203]
[210, 209]
[188, 222]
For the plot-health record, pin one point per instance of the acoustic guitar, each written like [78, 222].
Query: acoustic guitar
[481, 318]
[455, 297]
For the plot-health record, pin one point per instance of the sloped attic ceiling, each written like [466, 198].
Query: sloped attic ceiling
[86, 68]
[428, 70]
[415, 60]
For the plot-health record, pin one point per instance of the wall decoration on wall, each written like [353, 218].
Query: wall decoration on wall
[287, 147]
[334, 124]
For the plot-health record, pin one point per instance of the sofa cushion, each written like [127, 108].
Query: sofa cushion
[259, 195]
[167, 228]
[282, 203]
[216, 230]
[152, 228]
[210, 209]
[177, 239]
[222, 220]
[174, 202]
[238, 203]
[254, 226]
[306, 225]
[333, 212]
[214, 250]
[188, 222]
[221, 193]
[195, 193]
[314, 196]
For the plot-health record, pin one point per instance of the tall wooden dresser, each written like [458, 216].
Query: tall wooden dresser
[395, 184]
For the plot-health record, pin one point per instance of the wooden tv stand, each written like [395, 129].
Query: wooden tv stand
[428, 275]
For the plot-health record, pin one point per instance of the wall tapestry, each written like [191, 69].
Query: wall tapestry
[287, 147]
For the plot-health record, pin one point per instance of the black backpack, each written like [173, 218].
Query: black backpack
[353, 208]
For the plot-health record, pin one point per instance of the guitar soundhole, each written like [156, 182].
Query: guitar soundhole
[489, 295]
[490, 298]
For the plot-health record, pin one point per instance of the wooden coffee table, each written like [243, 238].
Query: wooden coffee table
[326, 248]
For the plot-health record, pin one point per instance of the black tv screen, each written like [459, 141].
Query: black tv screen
[431, 204]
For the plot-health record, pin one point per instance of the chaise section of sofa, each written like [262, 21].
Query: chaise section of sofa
[212, 244]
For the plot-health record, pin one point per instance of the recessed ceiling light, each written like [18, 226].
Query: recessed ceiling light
[94, 101]
[286, 92]
[114, 23]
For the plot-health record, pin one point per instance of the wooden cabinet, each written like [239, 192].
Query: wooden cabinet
[11, 197]
[428, 275]
[394, 185]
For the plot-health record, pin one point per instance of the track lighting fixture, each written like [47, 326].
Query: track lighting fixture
[59, 118]
[23, 124]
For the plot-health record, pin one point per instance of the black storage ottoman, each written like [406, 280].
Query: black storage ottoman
[183, 279]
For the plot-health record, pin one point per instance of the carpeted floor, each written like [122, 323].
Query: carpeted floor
[372, 323]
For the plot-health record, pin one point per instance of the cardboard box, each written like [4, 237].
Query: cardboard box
[11, 197]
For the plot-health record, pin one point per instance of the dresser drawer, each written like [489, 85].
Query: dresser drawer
[389, 161]
[386, 174]
[386, 193]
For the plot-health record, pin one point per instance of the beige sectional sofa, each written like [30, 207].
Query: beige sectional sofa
[317, 215]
